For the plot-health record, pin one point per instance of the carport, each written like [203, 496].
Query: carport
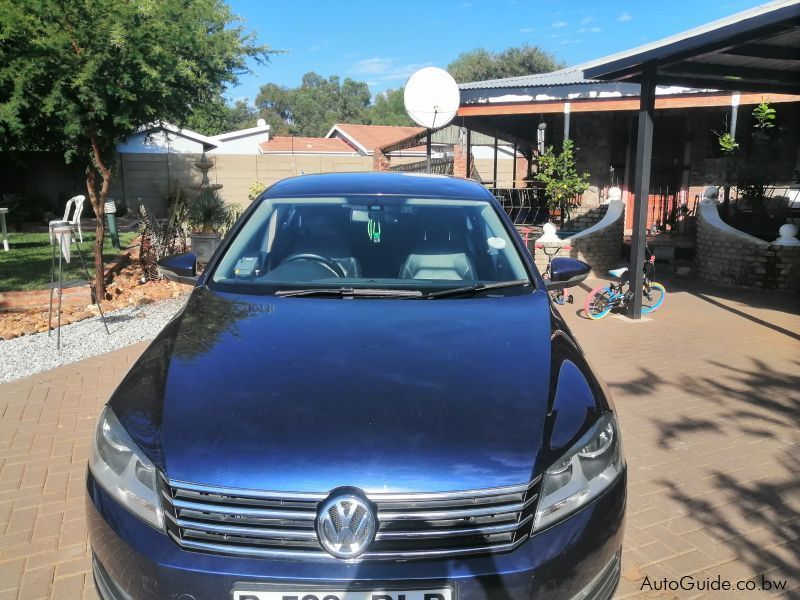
[755, 51]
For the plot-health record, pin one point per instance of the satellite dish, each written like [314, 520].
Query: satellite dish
[431, 97]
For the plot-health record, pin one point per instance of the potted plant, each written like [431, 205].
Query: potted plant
[562, 181]
[205, 217]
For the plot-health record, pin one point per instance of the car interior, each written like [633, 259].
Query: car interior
[383, 241]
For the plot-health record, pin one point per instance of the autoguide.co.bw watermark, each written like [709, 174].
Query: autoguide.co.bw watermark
[711, 584]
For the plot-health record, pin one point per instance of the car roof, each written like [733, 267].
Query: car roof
[380, 183]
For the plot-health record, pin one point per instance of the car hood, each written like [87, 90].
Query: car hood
[311, 394]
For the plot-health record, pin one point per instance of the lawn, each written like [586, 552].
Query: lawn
[27, 265]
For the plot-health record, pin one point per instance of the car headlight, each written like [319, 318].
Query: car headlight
[123, 470]
[581, 474]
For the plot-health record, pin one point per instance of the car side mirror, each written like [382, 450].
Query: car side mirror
[566, 272]
[181, 268]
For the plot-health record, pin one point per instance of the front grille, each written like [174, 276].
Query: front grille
[410, 526]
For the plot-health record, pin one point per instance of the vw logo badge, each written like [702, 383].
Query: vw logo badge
[346, 526]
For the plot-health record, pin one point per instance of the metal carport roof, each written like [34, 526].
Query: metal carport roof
[754, 50]
[757, 50]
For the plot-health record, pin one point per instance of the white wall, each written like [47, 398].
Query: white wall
[159, 142]
[243, 145]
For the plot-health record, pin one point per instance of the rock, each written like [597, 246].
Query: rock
[143, 300]
[28, 330]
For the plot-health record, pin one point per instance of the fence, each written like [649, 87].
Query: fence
[441, 166]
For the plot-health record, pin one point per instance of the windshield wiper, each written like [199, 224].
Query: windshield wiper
[478, 287]
[349, 292]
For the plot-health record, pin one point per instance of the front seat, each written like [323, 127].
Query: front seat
[439, 256]
[320, 235]
[438, 266]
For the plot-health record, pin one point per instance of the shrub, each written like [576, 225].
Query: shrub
[208, 213]
[562, 182]
[255, 189]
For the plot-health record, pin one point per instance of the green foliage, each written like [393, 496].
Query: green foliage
[562, 181]
[207, 213]
[217, 116]
[752, 168]
[312, 108]
[234, 212]
[389, 109]
[255, 189]
[480, 64]
[74, 71]
[81, 75]
[764, 116]
[727, 143]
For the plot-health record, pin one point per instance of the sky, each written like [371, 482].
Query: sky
[384, 42]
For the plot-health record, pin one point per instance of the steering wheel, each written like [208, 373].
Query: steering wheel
[326, 262]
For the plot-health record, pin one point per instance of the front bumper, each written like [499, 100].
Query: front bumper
[575, 559]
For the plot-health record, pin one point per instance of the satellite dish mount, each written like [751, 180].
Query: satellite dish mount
[431, 99]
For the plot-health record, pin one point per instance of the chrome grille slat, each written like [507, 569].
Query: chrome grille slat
[446, 533]
[278, 534]
[262, 513]
[445, 515]
[410, 526]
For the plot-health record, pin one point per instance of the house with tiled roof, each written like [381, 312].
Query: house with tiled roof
[366, 139]
[284, 144]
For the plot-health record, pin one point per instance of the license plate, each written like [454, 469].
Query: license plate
[440, 594]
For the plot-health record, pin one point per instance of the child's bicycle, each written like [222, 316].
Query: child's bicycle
[559, 296]
[617, 294]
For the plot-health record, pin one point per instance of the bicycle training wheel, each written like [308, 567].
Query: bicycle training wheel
[654, 299]
[598, 303]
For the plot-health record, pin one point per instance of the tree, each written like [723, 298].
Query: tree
[562, 182]
[217, 116]
[274, 105]
[389, 109]
[82, 75]
[313, 107]
[481, 64]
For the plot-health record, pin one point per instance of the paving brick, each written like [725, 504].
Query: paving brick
[36, 583]
[708, 405]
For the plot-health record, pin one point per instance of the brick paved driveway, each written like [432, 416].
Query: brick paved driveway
[708, 393]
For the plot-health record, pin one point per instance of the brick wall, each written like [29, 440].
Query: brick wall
[727, 255]
[582, 217]
[600, 245]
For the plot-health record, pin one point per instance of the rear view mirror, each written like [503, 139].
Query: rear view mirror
[566, 272]
[181, 268]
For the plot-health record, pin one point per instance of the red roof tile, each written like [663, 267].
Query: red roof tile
[282, 143]
[377, 136]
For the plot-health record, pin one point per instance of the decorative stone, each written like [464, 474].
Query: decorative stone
[788, 236]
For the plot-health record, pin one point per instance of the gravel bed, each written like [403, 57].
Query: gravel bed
[31, 354]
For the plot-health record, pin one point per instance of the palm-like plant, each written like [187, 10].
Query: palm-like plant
[208, 213]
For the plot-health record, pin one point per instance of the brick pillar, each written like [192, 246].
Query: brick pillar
[522, 170]
[459, 161]
[380, 162]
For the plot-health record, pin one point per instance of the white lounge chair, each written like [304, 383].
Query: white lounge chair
[76, 205]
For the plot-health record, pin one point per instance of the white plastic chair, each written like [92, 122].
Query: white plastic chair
[76, 205]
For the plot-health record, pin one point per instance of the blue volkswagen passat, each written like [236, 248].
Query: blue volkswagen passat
[368, 396]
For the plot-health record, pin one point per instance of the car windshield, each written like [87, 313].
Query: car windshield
[371, 245]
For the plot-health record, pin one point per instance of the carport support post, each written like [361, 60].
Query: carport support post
[494, 169]
[428, 151]
[641, 190]
[469, 154]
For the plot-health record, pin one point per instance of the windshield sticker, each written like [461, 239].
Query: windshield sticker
[374, 230]
[496, 242]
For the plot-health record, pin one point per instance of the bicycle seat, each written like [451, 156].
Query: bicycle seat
[618, 273]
